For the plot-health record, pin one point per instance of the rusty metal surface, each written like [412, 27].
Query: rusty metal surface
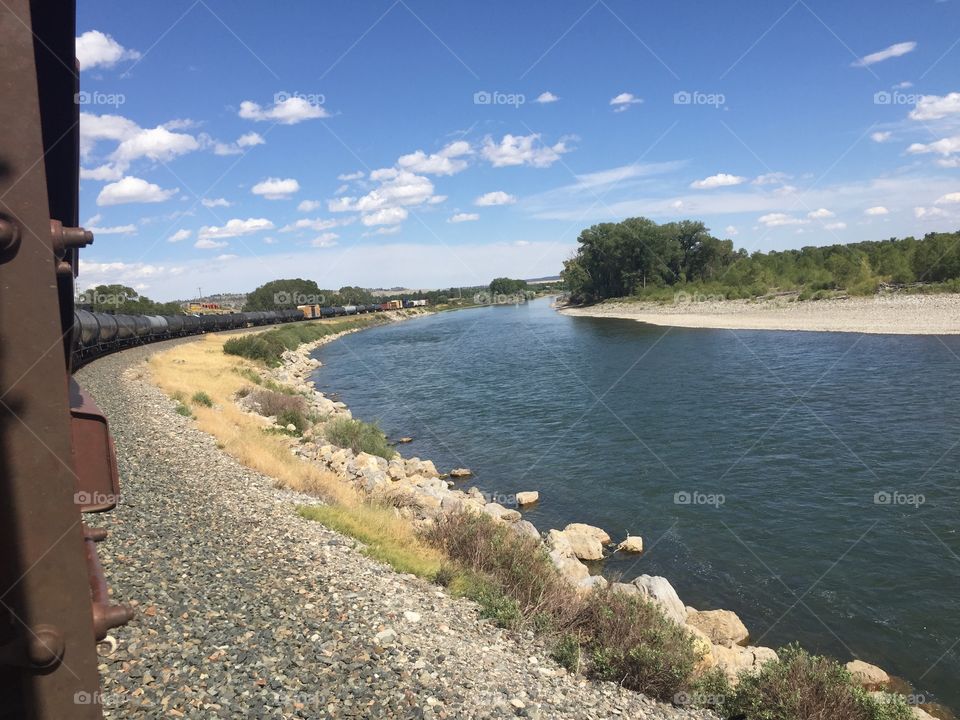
[47, 642]
[94, 457]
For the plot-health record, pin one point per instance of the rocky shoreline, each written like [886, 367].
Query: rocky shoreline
[719, 634]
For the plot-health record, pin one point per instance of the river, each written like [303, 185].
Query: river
[807, 481]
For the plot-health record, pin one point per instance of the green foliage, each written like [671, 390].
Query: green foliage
[182, 409]
[567, 653]
[801, 686]
[359, 436]
[639, 257]
[124, 300]
[287, 409]
[506, 286]
[285, 294]
[268, 347]
[494, 603]
[201, 398]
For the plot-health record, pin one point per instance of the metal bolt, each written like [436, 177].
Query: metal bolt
[44, 646]
[9, 239]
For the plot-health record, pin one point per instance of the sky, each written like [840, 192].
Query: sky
[429, 144]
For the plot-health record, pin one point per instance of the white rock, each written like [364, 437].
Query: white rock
[385, 637]
[593, 582]
[461, 473]
[723, 627]
[659, 590]
[868, 676]
[585, 547]
[291, 427]
[528, 497]
[589, 531]
[633, 543]
[411, 616]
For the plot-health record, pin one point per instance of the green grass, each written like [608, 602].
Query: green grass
[359, 436]
[268, 347]
[182, 409]
[201, 398]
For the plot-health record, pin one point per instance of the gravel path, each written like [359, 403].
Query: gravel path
[246, 610]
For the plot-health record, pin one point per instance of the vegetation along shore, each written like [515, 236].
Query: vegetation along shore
[252, 393]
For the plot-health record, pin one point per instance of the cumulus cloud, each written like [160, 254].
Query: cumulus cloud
[546, 97]
[96, 49]
[624, 100]
[133, 190]
[936, 107]
[447, 161]
[206, 244]
[397, 188]
[718, 180]
[387, 216]
[385, 230]
[276, 188]
[94, 128]
[325, 240]
[309, 205]
[731, 230]
[113, 230]
[243, 142]
[772, 178]
[497, 197]
[347, 177]
[522, 150]
[922, 212]
[881, 136]
[179, 236]
[949, 199]
[820, 214]
[780, 220]
[836, 226]
[945, 147]
[291, 111]
[315, 224]
[215, 202]
[159, 144]
[464, 217]
[895, 50]
[876, 210]
[235, 228]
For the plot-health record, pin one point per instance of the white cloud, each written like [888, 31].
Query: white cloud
[386, 216]
[397, 188]
[133, 190]
[325, 240]
[95, 48]
[205, 244]
[158, 144]
[347, 177]
[103, 172]
[179, 235]
[464, 217]
[820, 214]
[781, 220]
[876, 210]
[922, 212]
[893, 51]
[624, 100]
[309, 205]
[936, 107]
[945, 147]
[881, 136]
[836, 226]
[224, 258]
[94, 128]
[114, 230]
[247, 140]
[546, 97]
[497, 197]
[215, 202]
[315, 224]
[270, 240]
[436, 199]
[276, 188]
[387, 230]
[731, 230]
[949, 199]
[235, 228]
[718, 180]
[522, 150]
[903, 85]
[446, 162]
[773, 178]
[288, 112]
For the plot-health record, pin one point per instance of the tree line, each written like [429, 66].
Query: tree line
[638, 257]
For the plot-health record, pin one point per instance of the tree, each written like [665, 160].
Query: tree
[285, 294]
[506, 286]
[124, 300]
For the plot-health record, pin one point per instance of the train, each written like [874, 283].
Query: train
[312, 312]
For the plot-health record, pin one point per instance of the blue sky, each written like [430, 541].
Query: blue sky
[429, 144]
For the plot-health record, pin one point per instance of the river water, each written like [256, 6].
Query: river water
[808, 481]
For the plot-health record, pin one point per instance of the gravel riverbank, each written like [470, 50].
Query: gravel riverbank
[244, 609]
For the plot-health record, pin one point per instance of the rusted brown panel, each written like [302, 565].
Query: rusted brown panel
[44, 588]
[94, 457]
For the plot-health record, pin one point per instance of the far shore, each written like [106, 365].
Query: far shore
[889, 314]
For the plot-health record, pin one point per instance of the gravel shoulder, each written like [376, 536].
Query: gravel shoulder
[892, 314]
[245, 609]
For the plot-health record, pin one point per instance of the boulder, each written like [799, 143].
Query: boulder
[527, 498]
[405, 440]
[588, 530]
[625, 588]
[395, 470]
[584, 546]
[460, 473]
[868, 676]
[734, 661]
[499, 512]
[633, 544]
[525, 527]
[428, 468]
[920, 713]
[704, 648]
[659, 590]
[569, 567]
[592, 582]
[723, 627]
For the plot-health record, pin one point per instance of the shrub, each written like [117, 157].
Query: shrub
[359, 436]
[201, 398]
[801, 686]
[182, 409]
[268, 347]
[287, 409]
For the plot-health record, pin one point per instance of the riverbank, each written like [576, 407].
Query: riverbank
[888, 314]
[330, 469]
